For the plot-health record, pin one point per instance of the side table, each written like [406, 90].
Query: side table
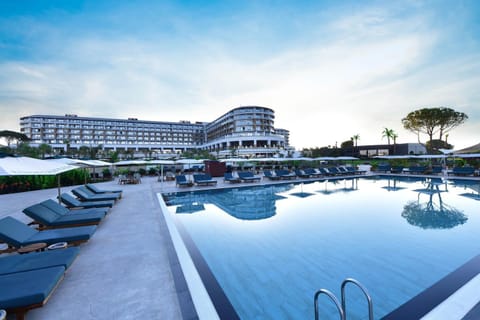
[32, 247]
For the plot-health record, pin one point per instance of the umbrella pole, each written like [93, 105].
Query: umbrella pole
[58, 188]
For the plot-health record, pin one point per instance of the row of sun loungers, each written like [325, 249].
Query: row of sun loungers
[28, 280]
[418, 169]
[281, 174]
[310, 173]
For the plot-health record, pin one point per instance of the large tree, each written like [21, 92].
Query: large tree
[432, 121]
[11, 136]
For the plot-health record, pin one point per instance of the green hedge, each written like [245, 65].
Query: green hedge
[12, 184]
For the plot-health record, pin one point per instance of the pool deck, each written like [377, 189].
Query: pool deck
[129, 269]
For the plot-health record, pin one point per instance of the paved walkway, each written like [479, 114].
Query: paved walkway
[124, 271]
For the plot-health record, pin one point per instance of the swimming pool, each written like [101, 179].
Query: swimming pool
[270, 248]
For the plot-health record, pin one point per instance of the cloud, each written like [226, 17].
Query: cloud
[355, 73]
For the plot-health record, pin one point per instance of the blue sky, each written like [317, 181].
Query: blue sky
[329, 69]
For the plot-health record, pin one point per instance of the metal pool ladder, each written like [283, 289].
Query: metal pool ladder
[341, 307]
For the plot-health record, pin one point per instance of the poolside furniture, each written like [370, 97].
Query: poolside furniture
[285, 174]
[462, 171]
[182, 181]
[96, 190]
[325, 172]
[203, 179]
[17, 234]
[384, 167]
[38, 260]
[84, 194]
[312, 172]
[351, 169]
[46, 218]
[58, 208]
[228, 177]
[271, 175]
[71, 202]
[301, 174]
[437, 170]
[396, 169]
[335, 171]
[417, 169]
[343, 170]
[23, 291]
[247, 176]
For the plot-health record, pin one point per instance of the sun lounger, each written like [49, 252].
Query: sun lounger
[417, 169]
[47, 218]
[302, 174]
[437, 170]
[396, 169]
[462, 171]
[334, 171]
[228, 177]
[17, 234]
[203, 179]
[84, 194]
[182, 181]
[247, 176]
[96, 190]
[270, 175]
[325, 172]
[38, 260]
[384, 167]
[58, 208]
[71, 202]
[342, 170]
[352, 170]
[312, 172]
[285, 174]
[27, 290]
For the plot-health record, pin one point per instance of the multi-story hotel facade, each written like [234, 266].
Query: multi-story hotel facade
[246, 131]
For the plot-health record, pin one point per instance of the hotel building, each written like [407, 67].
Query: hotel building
[246, 131]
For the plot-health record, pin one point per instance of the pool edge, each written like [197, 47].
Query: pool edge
[200, 297]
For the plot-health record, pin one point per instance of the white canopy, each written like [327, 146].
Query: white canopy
[189, 161]
[161, 162]
[82, 163]
[25, 166]
[130, 162]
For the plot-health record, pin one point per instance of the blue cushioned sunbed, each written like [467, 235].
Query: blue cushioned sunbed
[84, 194]
[71, 202]
[38, 260]
[96, 190]
[17, 234]
[203, 179]
[23, 291]
[58, 208]
[47, 218]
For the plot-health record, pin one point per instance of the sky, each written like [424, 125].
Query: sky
[329, 69]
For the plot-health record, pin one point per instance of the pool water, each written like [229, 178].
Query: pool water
[272, 247]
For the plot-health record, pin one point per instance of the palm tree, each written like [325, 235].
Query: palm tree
[389, 133]
[394, 137]
[44, 149]
[355, 139]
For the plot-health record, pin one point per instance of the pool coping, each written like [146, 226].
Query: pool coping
[430, 298]
[207, 296]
